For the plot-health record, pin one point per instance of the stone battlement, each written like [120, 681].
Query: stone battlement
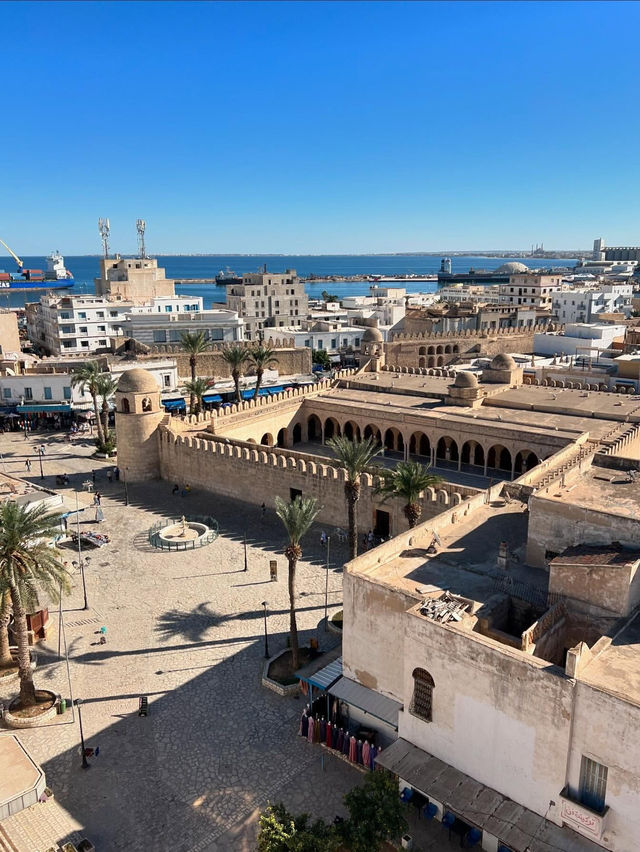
[467, 333]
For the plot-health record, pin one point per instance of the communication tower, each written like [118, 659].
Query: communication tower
[140, 228]
[104, 231]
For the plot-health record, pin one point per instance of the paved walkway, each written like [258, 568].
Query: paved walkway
[186, 630]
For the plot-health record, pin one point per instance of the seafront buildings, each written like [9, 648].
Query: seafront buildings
[268, 300]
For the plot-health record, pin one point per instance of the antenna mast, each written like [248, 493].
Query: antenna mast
[141, 227]
[104, 231]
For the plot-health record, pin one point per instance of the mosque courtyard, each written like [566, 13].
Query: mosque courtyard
[187, 631]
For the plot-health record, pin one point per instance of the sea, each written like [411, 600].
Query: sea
[87, 267]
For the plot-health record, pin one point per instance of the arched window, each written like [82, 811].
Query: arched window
[146, 404]
[422, 698]
[125, 406]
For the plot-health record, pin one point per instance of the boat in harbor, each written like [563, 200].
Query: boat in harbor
[227, 276]
[55, 276]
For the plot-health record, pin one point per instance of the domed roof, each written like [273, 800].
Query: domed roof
[372, 335]
[137, 381]
[512, 268]
[503, 362]
[465, 379]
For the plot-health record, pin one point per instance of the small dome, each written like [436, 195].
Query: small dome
[137, 381]
[503, 362]
[372, 335]
[512, 268]
[465, 379]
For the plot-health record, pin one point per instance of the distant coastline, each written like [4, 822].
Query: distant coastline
[548, 255]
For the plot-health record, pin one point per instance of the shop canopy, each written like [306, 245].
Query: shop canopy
[323, 671]
[43, 409]
[174, 403]
[212, 397]
[371, 702]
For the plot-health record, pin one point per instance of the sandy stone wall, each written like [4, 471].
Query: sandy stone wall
[211, 364]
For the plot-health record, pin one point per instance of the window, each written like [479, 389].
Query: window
[66, 392]
[100, 314]
[334, 342]
[357, 341]
[82, 314]
[593, 784]
[166, 380]
[47, 393]
[102, 328]
[65, 315]
[422, 698]
[85, 343]
[83, 329]
[216, 334]
[159, 336]
[28, 393]
[174, 336]
[102, 343]
[168, 308]
[113, 313]
[6, 392]
[67, 344]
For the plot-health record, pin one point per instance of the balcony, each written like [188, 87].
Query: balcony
[582, 819]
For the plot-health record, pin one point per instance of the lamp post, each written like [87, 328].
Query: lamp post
[126, 490]
[246, 566]
[85, 762]
[40, 452]
[326, 587]
[80, 561]
[266, 637]
[81, 564]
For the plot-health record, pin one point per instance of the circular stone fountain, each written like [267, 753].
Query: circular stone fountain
[183, 534]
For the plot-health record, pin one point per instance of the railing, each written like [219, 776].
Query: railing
[201, 541]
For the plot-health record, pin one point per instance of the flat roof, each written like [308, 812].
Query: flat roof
[603, 490]
[19, 773]
[571, 401]
[617, 668]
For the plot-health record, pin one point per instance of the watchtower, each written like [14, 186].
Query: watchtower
[138, 415]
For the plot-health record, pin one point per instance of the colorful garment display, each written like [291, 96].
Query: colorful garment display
[329, 738]
[353, 750]
[310, 731]
[366, 748]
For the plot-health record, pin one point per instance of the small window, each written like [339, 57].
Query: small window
[82, 314]
[47, 393]
[422, 698]
[160, 336]
[82, 329]
[28, 393]
[174, 336]
[102, 343]
[113, 313]
[102, 328]
[334, 342]
[168, 308]
[125, 406]
[146, 404]
[85, 343]
[66, 392]
[166, 380]
[593, 784]
[100, 314]
[6, 392]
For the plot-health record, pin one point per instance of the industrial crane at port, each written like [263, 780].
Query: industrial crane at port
[13, 255]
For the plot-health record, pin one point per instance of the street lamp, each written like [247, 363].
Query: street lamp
[326, 587]
[246, 567]
[81, 564]
[40, 452]
[85, 762]
[126, 490]
[266, 637]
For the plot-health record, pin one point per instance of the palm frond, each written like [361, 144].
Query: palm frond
[235, 356]
[261, 356]
[297, 516]
[354, 456]
[407, 481]
[194, 342]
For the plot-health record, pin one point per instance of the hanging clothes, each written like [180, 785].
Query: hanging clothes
[334, 736]
[346, 744]
[328, 739]
[340, 740]
[374, 753]
[366, 748]
[304, 724]
[322, 733]
[310, 729]
[359, 758]
[334, 711]
[353, 750]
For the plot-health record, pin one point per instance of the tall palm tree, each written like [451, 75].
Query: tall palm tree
[296, 517]
[194, 343]
[28, 561]
[6, 660]
[407, 481]
[196, 388]
[86, 377]
[236, 357]
[355, 457]
[106, 386]
[261, 357]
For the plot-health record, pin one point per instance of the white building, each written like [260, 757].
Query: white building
[579, 339]
[452, 293]
[530, 288]
[268, 300]
[585, 304]
[158, 327]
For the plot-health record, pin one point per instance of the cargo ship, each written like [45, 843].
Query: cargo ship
[227, 276]
[55, 276]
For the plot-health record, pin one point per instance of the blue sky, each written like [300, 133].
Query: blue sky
[320, 127]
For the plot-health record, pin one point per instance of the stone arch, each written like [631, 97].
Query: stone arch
[283, 437]
[422, 350]
[351, 430]
[393, 440]
[472, 453]
[431, 350]
[447, 349]
[314, 428]
[525, 460]
[431, 361]
[372, 432]
[331, 428]
[447, 449]
[422, 362]
[126, 407]
[297, 433]
[267, 439]
[499, 458]
[455, 349]
[439, 349]
[439, 361]
[421, 704]
[419, 445]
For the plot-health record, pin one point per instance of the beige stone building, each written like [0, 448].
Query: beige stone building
[133, 279]
[9, 336]
[530, 288]
[268, 300]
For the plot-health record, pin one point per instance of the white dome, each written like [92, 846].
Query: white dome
[512, 268]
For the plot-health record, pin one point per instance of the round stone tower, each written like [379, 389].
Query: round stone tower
[138, 415]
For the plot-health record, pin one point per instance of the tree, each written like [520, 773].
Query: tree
[375, 813]
[297, 517]
[407, 481]
[196, 388]
[280, 831]
[236, 357]
[329, 297]
[194, 343]
[28, 561]
[321, 357]
[355, 457]
[6, 660]
[87, 377]
[106, 386]
[261, 357]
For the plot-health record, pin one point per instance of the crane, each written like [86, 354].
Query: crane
[13, 255]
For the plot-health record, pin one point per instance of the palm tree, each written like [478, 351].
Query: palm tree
[194, 343]
[408, 480]
[106, 386]
[28, 560]
[297, 517]
[355, 457]
[261, 357]
[196, 388]
[87, 377]
[6, 660]
[236, 357]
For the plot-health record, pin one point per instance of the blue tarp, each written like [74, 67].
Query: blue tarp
[37, 409]
[174, 403]
[212, 397]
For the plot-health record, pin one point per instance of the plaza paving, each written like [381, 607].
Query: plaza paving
[185, 629]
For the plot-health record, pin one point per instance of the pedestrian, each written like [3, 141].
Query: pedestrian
[43, 449]
[370, 538]
[93, 476]
[264, 509]
[365, 542]
[323, 538]
[176, 488]
[110, 475]
[99, 514]
[97, 499]
[116, 472]
[27, 464]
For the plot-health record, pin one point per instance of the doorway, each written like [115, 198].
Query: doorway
[383, 524]
[293, 493]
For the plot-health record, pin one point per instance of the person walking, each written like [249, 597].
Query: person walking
[323, 538]
[370, 539]
[264, 509]
[110, 475]
[176, 489]
[93, 476]
[27, 465]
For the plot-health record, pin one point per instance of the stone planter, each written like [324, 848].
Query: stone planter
[12, 678]
[273, 685]
[12, 721]
[333, 627]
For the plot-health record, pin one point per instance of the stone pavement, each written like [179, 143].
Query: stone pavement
[185, 629]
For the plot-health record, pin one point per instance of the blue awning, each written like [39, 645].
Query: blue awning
[174, 403]
[38, 409]
[212, 397]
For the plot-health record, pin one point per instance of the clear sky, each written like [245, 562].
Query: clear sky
[319, 127]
